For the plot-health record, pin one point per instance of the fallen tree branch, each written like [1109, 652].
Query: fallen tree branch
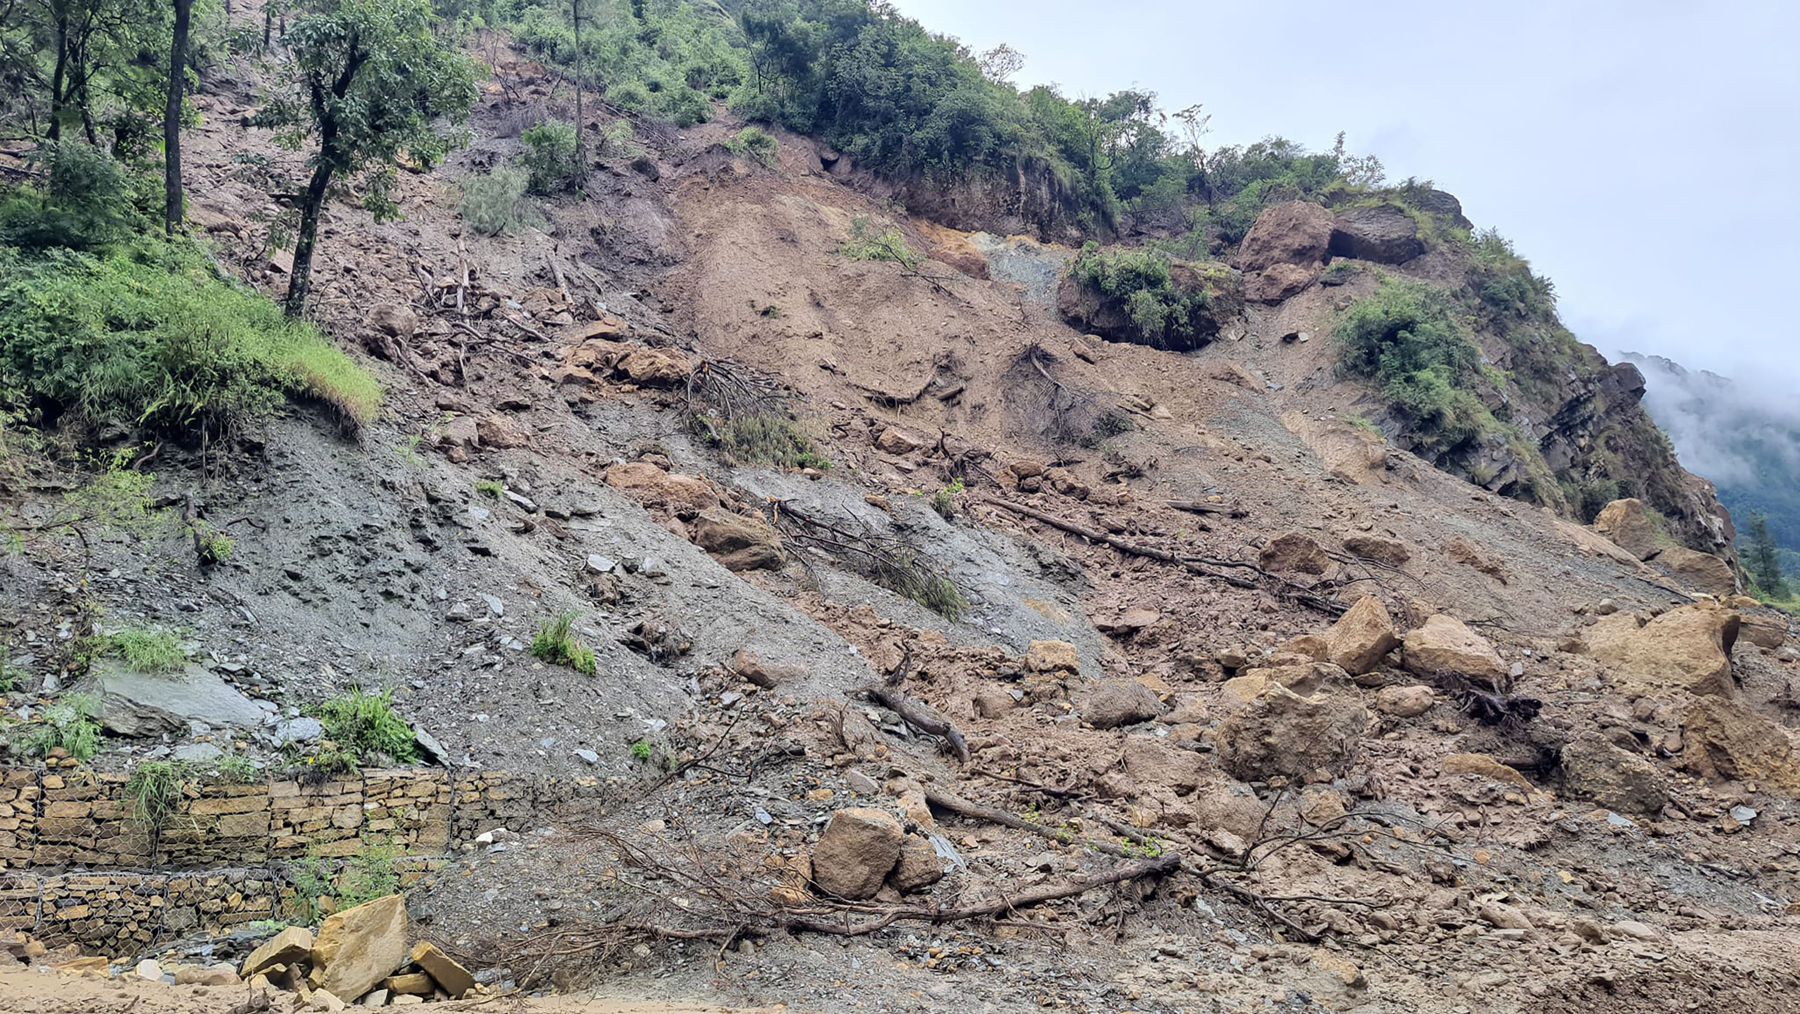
[1199, 507]
[975, 811]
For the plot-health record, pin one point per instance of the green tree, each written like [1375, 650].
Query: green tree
[375, 83]
[178, 54]
[1764, 560]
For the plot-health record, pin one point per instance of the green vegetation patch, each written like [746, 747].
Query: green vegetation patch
[67, 725]
[551, 160]
[495, 204]
[1406, 339]
[364, 724]
[771, 440]
[755, 143]
[145, 650]
[1146, 297]
[555, 643]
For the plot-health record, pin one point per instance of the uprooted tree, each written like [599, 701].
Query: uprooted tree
[375, 82]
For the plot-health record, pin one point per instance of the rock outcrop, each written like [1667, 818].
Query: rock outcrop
[1284, 250]
[1384, 233]
[149, 704]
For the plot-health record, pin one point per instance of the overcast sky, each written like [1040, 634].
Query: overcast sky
[1643, 155]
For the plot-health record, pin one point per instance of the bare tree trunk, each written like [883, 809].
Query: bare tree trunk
[59, 76]
[172, 189]
[580, 148]
[300, 285]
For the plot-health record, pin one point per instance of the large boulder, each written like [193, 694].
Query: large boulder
[446, 972]
[1765, 629]
[1113, 703]
[1723, 739]
[359, 947]
[1445, 644]
[1362, 637]
[741, 543]
[1384, 233]
[1688, 648]
[285, 948]
[1284, 251]
[1627, 523]
[857, 850]
[1595, 769]
[1392, 552]
[1295, 553]
[683, 494]
[1284, 734]
[1703, 572]
[149, 704]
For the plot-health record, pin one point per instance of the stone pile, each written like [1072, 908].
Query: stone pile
[360, 956]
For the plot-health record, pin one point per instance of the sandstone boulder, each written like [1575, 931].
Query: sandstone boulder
[1723, 739]
[1281, 733]
[359, 947]
[1362, 637]
[1392, 552]
[741, 543]
[459, 439]
[1295, 553]
[1765, 630]
[1113, 703]
[1445, 644]
[453, 978]
[857, 850]
[1294, 233]
[648, 367]
[502, 431]
[1485, 766]
[1702, 572]
[1052, 656]
[1405, 702]
[290, 945]
[1627, 523]
[1688, 648]
[898, 442]
[1151, 763]
[920, 866]
[1595, 769]
[394, 319]
[1278, 282]
[1385, 234]
[682, 494]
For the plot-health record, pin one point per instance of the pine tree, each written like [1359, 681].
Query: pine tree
[1765, 557]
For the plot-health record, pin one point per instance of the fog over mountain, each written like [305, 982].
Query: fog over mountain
[1743, 434]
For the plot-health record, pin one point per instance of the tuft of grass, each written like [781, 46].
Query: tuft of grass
[772, 440]
[641, 750]
[236, 769]
[67, 725]
[144, 650]
[944, 500]
[554, 643]
[755, 143]
[490, 487]
[363, 724]
[496, 204]
[153, 793]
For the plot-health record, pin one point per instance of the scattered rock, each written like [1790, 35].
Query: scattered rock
[1113, 703]
[148, 969]
[898, 442]
[1052, 656]
[855, 853]
[767, 675]
[1595, 769]
[359, 947]
[197, 753]
[1392, 552]
[741, 543]
[1362, 637]
[395, 320]
[1283, 733]
[1687, 648]
[146, 704]
[452, 977]
[502, 431]
[290, 945]
[1127, 623]
[1487, 767]
[1445, 644]
[1764, 630]
[208, 975]
[1150, 762]
[920, 866]
[1703, 572]
[650, 367]
[682, 494]
[409, 984]
[1295, 553]
[1627, 523]
[1405, 702]
[1466, 553]
[1503, 916]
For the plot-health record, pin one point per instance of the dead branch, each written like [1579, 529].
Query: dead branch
[975, 811]
[922, 717]
[1200, 507]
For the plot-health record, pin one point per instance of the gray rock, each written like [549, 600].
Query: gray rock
[434, 751]
[1118, 702]
[299, 730]
[198, 753]
[142, 704]
[495, 606]
[588, 755]
[601, 564]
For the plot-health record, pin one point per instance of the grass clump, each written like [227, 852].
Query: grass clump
[755, 143]
[153, 793]
[364, 724]
[237, 769]
[551, 160]
[944, 500]
[145, 650]
[149, 333]
[67, 725]
[496, 204]
[866, 244]
[371, 872]
[554, 643]
[771, 440]
[490, 488]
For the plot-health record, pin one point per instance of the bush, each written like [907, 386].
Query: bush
[363, 724]
[67, 725]
[151, 334]
[555, 644]
[153, 793]
[85, 201]
[496, 203]
[754, 142]
[1406, 340]
[865, 244]
[550, 158]
[1163, 312]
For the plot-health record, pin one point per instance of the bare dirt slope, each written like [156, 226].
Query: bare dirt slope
[1152, 510]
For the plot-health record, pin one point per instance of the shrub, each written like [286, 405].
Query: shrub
[1163, 312]
[496, 203]
[1405, 339]
[555, 644]
[150, 333]
[944, 500]
[865, 244]
[363, 724]
[754, 142]
[85, 201]
[151, 651]
[67, 725]
[617, 140]
[550, 158]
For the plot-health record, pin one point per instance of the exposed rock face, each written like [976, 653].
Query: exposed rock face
[857, 850]
[1627, 522]
[1284, 251]
[1114, 703]
[741, 543]
[1702, 572]
[1722, 739]
[1385, 234]
[1282, 733]
[1085, 307]
[149, 704]
[1683, 649]
[359, 947]
[1362, 637]
[1444, 644]
[1616, 779]
[1297, 553]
